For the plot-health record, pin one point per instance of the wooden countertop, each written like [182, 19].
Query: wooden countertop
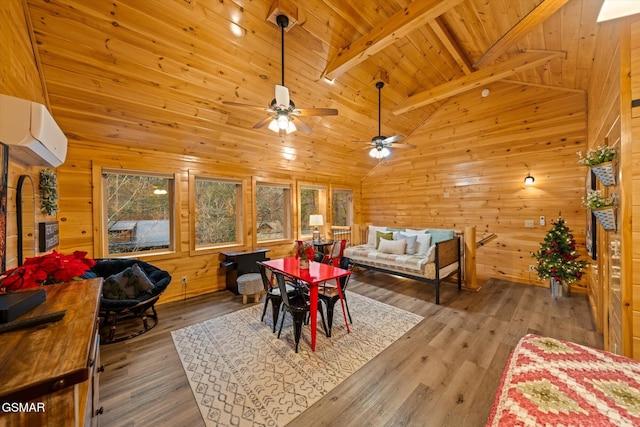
[45, 358]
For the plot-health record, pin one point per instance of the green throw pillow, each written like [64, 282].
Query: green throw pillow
[381, 235]
[128, 284]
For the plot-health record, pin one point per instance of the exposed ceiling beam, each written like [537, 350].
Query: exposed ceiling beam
[513, 65]
[415, 15]
[451, 45]
[561, 88]
[535, 17]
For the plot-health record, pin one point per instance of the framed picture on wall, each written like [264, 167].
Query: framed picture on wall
[591, 240]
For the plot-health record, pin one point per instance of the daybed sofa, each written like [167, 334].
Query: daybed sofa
[427, 255]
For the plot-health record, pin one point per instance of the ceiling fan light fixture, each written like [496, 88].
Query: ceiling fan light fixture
[283, 122]
[273, 126]
[379, 153]
[291, 127]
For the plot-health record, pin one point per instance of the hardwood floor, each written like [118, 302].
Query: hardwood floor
[444, 372]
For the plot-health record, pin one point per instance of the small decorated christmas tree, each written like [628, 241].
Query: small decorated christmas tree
[558, 257]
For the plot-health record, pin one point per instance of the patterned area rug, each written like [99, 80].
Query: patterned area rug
[549, 382]
[241, 374]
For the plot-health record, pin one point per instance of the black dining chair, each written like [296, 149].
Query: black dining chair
[273, 294]
[298, 305]
[328, 295]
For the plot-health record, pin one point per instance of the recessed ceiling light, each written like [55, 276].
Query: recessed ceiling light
[289, 153]
[236, 29]
[613, 9]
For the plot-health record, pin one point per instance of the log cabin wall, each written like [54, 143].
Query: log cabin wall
[461, 174]
[77, 180]
[633, 150]
[615, 298]
[604, 112]
[19, 77]
[479, 152]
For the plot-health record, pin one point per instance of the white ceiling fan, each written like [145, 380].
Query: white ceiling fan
[380, 144]
[284, 117]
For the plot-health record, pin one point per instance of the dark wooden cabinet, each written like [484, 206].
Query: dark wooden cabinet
[238, 263]
[52, 369]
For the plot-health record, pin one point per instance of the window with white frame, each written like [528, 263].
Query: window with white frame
[138, 211]
[218, 212]
[273, 211]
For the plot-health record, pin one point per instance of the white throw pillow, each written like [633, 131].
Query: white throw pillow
[371, 238]
[395, 247]
[410, 231]
[411, 242]
[423, 243]
[431, 254]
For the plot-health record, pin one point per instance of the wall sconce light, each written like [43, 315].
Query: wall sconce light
[316, 220]
[529, 180]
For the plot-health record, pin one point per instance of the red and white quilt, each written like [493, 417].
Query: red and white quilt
[550, 382]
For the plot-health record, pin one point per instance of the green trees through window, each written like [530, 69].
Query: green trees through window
[138, 212]
[342, 207]
[217, 218]
[273, 212]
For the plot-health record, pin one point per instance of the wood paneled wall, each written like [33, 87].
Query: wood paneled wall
[471, 174]
[633, 115]
[604, 111]
[19, 76]
[79, 198]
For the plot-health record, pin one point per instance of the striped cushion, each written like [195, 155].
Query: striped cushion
[410, 264]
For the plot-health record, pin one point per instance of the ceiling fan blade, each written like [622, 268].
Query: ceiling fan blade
[393, 138]
[402, 145]
[239, 104]
[282, 97]
[315, 112]
[361, 148]
[302, 126]
[263, 122]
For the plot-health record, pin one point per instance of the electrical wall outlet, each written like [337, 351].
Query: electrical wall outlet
[542, 220]
[184, 280]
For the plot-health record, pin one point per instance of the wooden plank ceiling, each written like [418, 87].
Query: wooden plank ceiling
[154, 74]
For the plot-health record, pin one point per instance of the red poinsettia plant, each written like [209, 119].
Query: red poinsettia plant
[304, 251]
[46, 270]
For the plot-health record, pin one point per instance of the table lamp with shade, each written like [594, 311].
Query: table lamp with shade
[315, 221]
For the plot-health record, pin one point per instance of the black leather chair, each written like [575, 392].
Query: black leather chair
[272, 294]
[298, 305]
[328, 295]
[142, 307]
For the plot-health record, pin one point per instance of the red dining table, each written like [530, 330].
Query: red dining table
[316, 274]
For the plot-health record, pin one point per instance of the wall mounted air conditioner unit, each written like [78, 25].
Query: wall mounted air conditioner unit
[33, 136]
